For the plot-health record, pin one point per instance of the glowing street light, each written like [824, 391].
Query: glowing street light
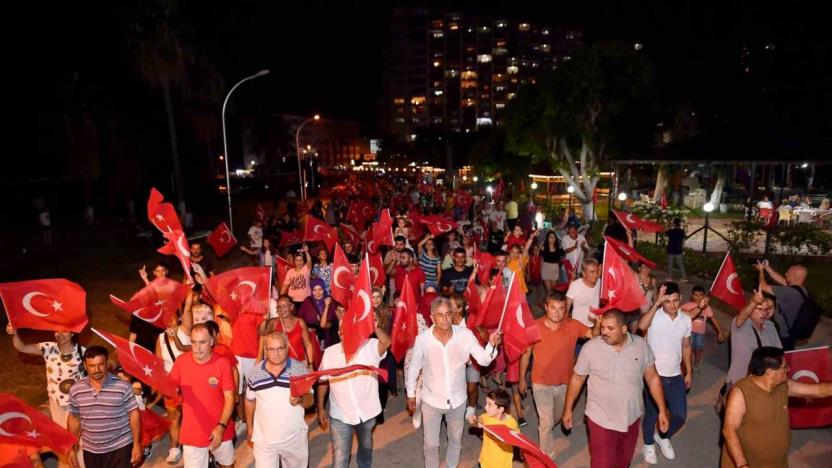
[476, 179]
[315, 118]
[534, 185]
[622, 197]
[571, 190]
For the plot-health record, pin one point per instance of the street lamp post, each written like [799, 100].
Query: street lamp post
[225, 143]
[571, 190]
[316, 117]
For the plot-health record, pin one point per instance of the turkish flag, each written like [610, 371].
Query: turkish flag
[354, 215]
[351, 234]
[619, 285]
[154, 427]
[726, 286]
[437, 225]
[485, 263]
[20, 424]
[156, 303]
[535, 457]
[359, 320]
[629, 253]
[222, 240]
[141, 364]
[162, 214]
[475, 310]
[243, 290]
[342, 277]
[381, 232]
[463, 199]
[664, 201]
[378, 277]
[810, 366]
[631, 221]
[405, 328]
[260, 213]
[283, 266]
[300, 385]
[518, 325]
[316, 230]
[177, 245]
[46, 304]
[492, 305]
[290, 238]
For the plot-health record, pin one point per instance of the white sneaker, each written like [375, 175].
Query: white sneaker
[665, 447]
[174, 455]
[649, 452]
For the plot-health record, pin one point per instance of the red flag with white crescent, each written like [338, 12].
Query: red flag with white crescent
[405, 327]
[46, 304]
[485, 263]
[518, 325]
[492, 304]
[290, 238]
[156, 303]
[316, 230]
[162, 214]
[177, 245]
[222, 240]
[20, 424]
[619, 285]
[378, 277]
[727, 286]
[342, 277]
[535, 457]
[359, 320]
[382, 231]
[629, 253]
[300, 385]
[282, 266]
[351, 234]
[810, 366]
[243, 290]
[632, 221]
[438, 225]
[141, 364]
[474, 305]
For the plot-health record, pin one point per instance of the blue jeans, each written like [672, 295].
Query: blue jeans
[341, 436]
[676, 398]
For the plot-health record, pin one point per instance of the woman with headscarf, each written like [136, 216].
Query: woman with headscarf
[318, 312]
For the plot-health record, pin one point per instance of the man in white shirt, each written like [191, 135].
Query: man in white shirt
[441, 354]
[584, 293]
[498, 217]
[669, 339]
[574, 245]
[353, 400]
[255, 235]
[274, 418]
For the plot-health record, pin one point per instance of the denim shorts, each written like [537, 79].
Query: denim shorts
[697, 340]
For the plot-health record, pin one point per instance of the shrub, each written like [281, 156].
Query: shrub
[743, 235]
[792, 240]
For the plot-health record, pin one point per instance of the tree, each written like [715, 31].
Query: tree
[596, 104]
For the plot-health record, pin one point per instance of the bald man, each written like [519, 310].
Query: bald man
[790, 294]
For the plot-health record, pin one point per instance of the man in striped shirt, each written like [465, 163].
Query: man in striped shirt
[104, 414]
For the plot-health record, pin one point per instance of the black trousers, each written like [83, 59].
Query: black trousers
[119, 458]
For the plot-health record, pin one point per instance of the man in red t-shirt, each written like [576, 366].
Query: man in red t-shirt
[554, 356]
[207, 386]
[408, 269]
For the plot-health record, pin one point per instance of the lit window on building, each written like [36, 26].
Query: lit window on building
[545, 47]
[566, 57]
[499, 88]
[417, 100]
[436, 23]
[400, 120]
[398, 101]
[437, 92]
[469, 75]
[499, 105]
[523, 27]
[483, 121]
[451, 73]
[467, 84]
[484, 29]
[511, 95]
[500, 51]
[413, 136]
[438, 34]
[570, 36]
[453, 26]
[501, 24]
[470, 102]
[545, 32]
[437, 120]
[638, 46]
[436, 63]
[512, 70]
[484, 58]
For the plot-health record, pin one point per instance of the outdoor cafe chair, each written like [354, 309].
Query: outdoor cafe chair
[785, 213]
[804, 216]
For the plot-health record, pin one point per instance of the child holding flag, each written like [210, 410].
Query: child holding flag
[495, 454]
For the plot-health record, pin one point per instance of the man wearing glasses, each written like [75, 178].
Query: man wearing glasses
[751, 329]
[274, 419]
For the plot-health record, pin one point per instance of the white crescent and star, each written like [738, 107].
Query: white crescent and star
[365, 299]
[225, 237]
[519, 315]
[27, 304]
[14, 415]
[335, 277]
[148, 319]
[373, 274]
[729, 283]
[630, 219]
[370, 246]
[182, 249]
[444, 227]
[145, 368]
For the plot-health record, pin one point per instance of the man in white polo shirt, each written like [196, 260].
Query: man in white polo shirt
[274, 419]
[584, 293]
[668, 334]
[441, 353]
[353, 400]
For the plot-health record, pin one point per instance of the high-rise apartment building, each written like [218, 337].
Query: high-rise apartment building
[454, 72]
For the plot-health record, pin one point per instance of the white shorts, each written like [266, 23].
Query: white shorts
[291, 453]
[244, 365]
[197, 457]
[472, 373]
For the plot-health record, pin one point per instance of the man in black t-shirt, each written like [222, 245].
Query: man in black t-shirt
[200, 259]
[675, 248]
[455, 279]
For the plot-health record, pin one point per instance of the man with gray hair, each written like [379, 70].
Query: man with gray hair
[584, 293]
[441, 353]
[790, 293]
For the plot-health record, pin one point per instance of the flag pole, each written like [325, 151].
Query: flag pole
[505, 304]
[721, 266]
[604, 260]
[103, 337]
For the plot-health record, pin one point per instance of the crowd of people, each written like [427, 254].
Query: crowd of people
[234, 376]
